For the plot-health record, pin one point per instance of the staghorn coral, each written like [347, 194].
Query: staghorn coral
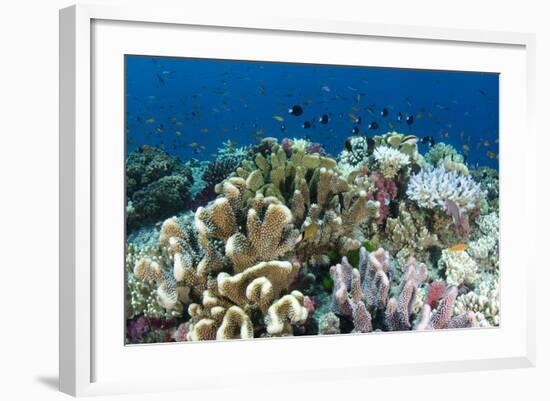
[431, 189]
[459, 267]
[390, 160]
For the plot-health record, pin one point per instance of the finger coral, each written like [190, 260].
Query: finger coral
[442, 317]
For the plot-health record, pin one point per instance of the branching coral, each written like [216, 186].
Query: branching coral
[231, 284]
[442, 317]
[363, 295]
[326, 209]
[431, 189]
[400, 309]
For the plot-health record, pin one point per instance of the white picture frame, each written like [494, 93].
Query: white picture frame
[89, 364]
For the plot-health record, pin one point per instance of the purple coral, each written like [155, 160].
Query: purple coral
[359, 292]
[442, 317]
[347, 279]
[137, 328]
[180, 333]
[286, 144]
[399, 310]
[315, 148]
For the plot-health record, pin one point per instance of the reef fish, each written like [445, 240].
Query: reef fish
[279, 118]
[310, 232]
[323, 119]
[296, 110]
[458, 247]
[409, 139]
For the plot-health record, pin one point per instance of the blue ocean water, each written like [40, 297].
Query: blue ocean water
[189, 107]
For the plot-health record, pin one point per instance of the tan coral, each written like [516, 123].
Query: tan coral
[235, 287]
[235, 324]
[284, 313]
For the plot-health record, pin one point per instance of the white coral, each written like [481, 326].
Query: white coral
[484, 248]
[432, 188]
[390, 160]
[459, 267]
[484, 301]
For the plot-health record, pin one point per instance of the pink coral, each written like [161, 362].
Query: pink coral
[180, 334]
[386, 191]
[435, 292]
[309, 304]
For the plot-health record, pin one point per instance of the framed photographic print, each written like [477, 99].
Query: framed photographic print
[313, 190]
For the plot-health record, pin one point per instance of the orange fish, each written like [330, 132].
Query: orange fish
[458, 248]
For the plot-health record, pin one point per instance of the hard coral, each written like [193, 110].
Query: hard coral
[157, 186]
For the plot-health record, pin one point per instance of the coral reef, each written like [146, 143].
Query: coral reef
[250, 244]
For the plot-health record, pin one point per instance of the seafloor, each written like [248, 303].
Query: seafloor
[281, 239]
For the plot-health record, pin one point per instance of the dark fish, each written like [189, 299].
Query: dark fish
[384, 112]
[370, 145]
[394, 209]
[323, 119]
[306, 125]
[161, 79]
[307, 137]
[355, 130]
[399, 116]
[428, 140]
[409, 120]
[347, 144]
[295, 110]
[373, 125]
[283, 127]
[415, 169]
